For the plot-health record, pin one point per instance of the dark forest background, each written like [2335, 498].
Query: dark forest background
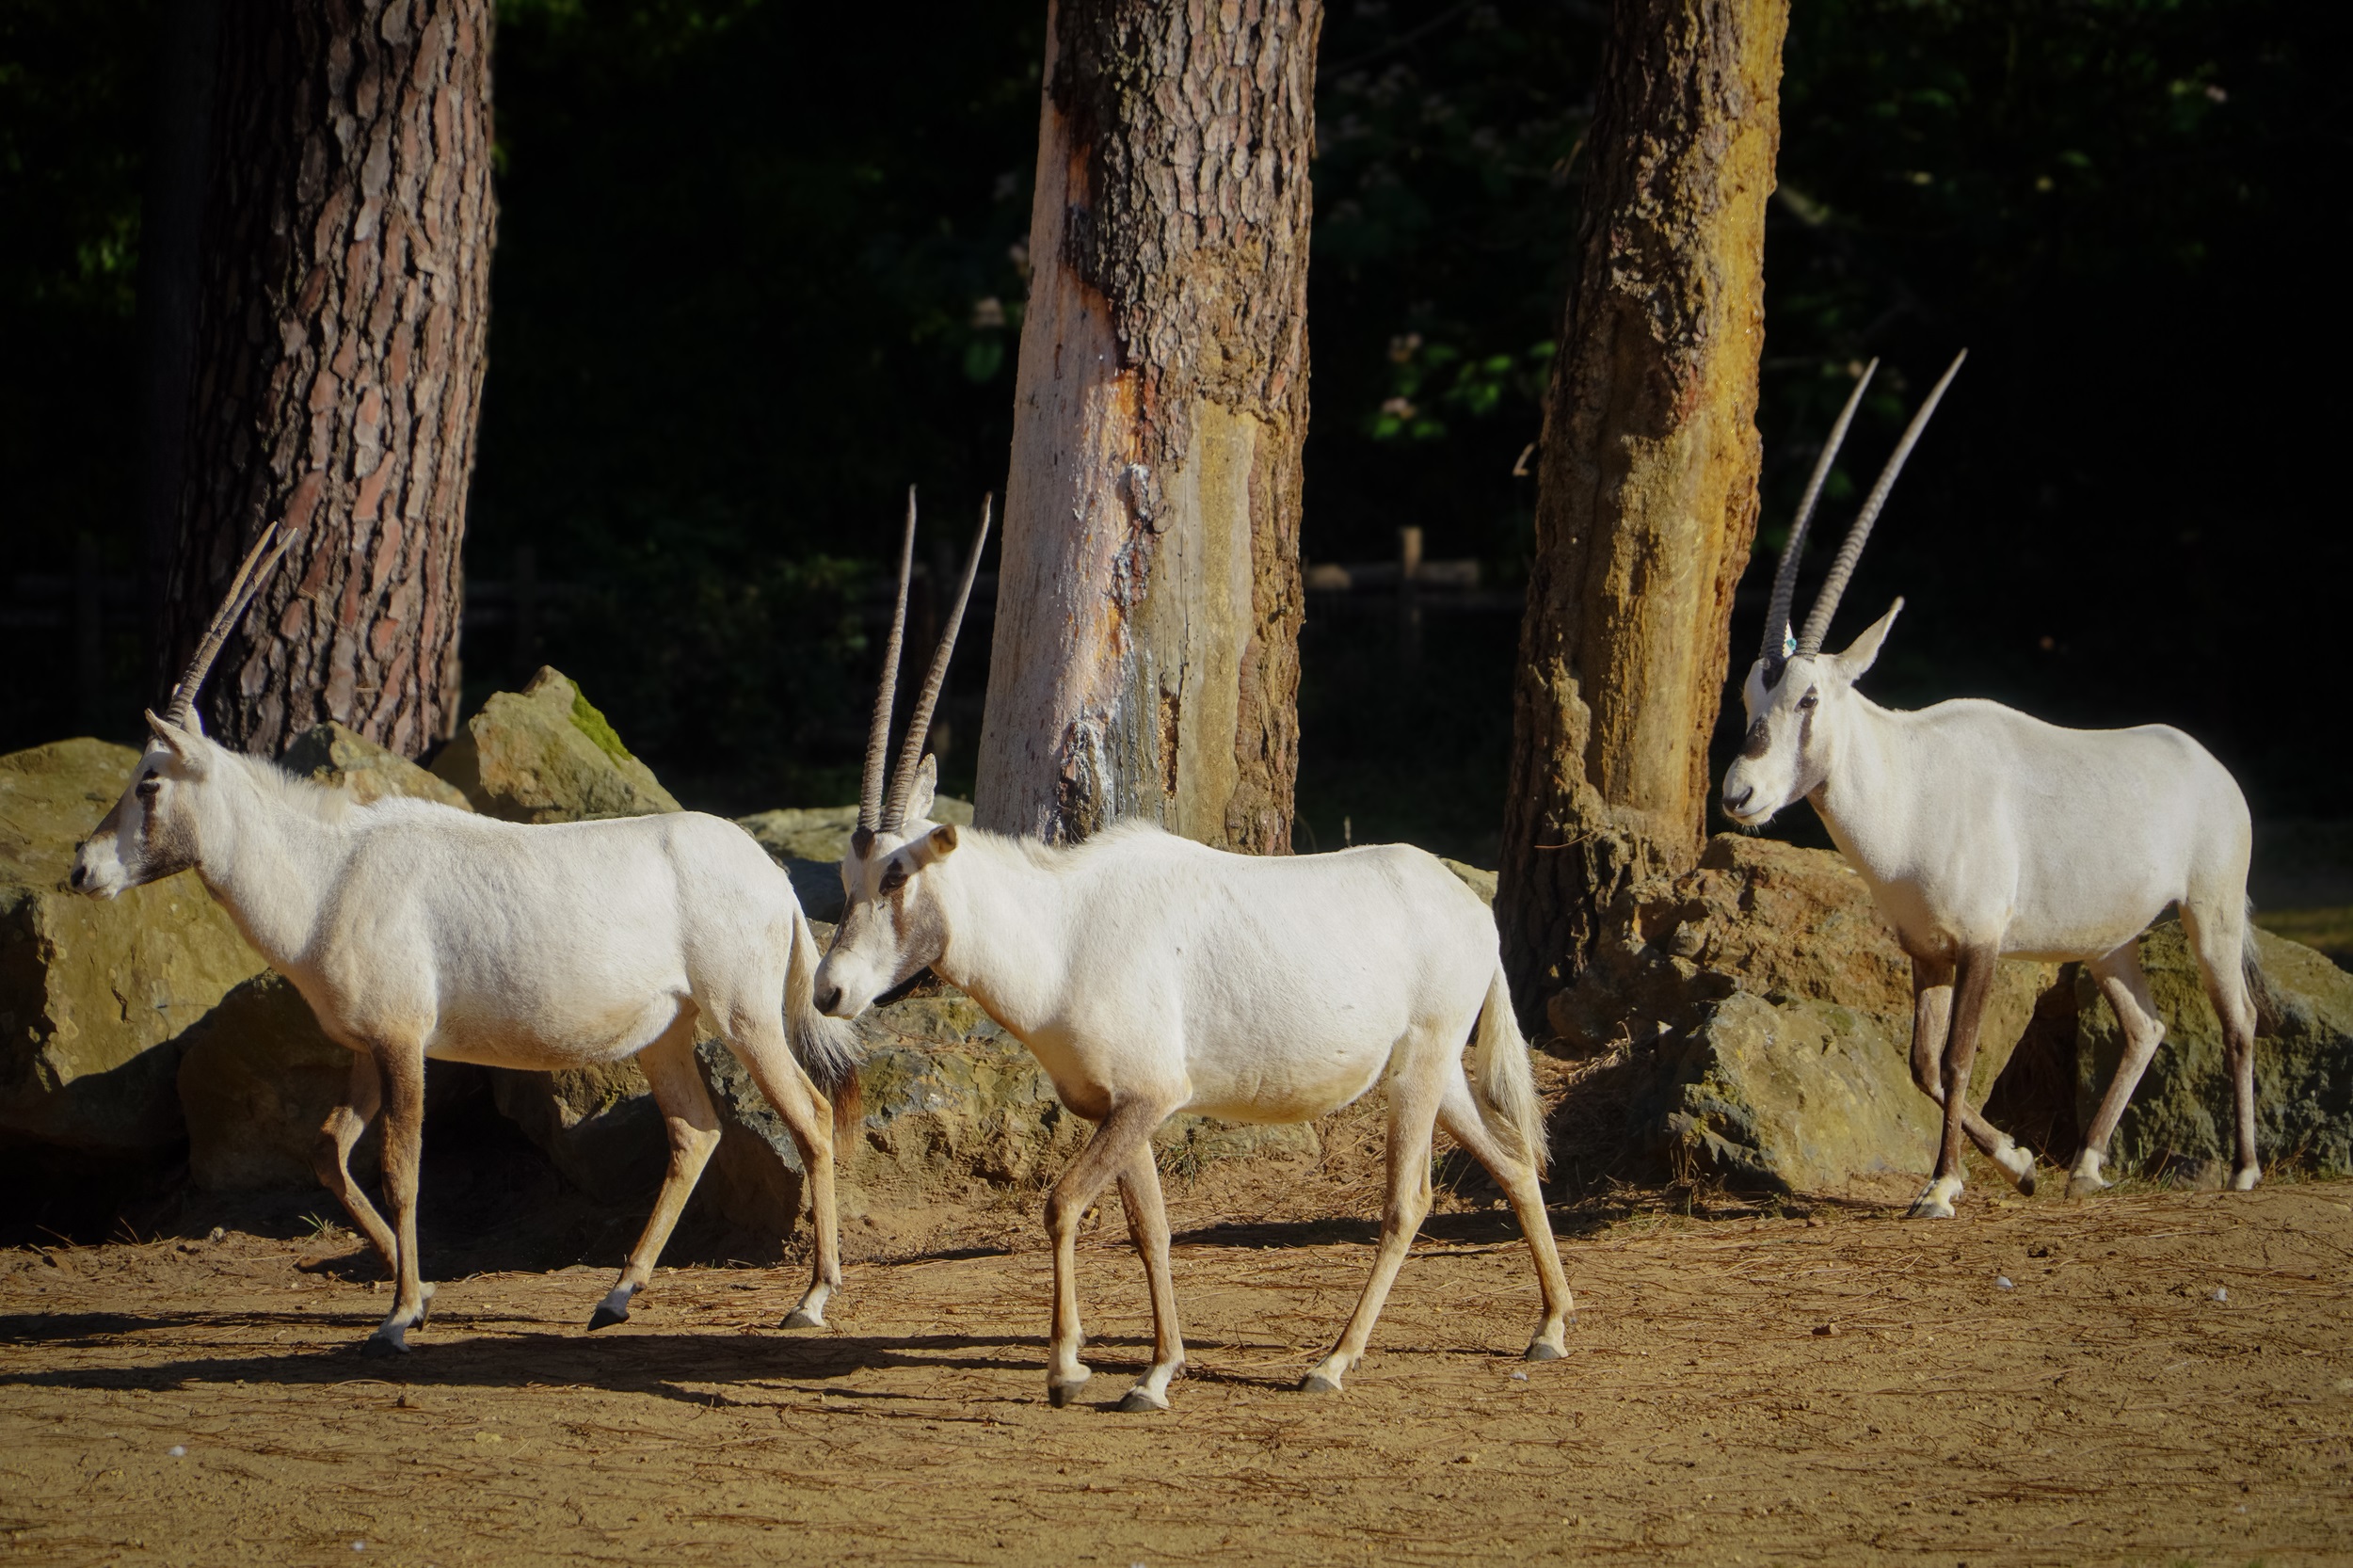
[759, 266]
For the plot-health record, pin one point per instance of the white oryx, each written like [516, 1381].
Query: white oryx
[1150, 975]
[417, 931]
[1984, 833]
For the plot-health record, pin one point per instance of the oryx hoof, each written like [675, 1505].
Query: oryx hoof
[1316, 1382]
[1140, 1400]
[1930, 1208]
[606, 1315]
[385, 1343]
[2082, 1186]
[2244, 1181]
[1542, 1349]
[1060, 1394]
[2026, 1185]
[801, 1317]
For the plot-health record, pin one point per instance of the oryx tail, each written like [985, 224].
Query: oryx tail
[828, 1047]
[1501, 1081]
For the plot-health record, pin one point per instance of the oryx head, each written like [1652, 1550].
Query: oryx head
[891, 926]
[1794, 689]
[151, 831]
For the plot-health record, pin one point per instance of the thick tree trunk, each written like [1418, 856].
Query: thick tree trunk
[343, 302]
[1146, 653]
[1646, 501]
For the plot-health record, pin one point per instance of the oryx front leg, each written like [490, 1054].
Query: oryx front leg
[1115, 1145]
[1931, 1019]
[1973, 980]
[758, 1042]
[1147, 1226]
[2127, 990]
[1412, 1111]
[693, 1126]
[403, 1070]
[345, 1126]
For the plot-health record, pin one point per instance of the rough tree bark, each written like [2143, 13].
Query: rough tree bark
[1146, 653]
[344, 296]
[1647, 500]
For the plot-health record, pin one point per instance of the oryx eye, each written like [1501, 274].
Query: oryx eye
[894, 877]
[149, 787]
[1808, 701]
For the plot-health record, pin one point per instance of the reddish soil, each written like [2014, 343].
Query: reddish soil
[1745, 1386]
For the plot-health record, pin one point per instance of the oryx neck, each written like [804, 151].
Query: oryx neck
[1006, 902]
[266, 850]
[1859, 795]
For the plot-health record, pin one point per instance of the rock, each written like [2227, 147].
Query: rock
[95, 996]
[599, 1126]
[2180, 1121]
[547, 755]
[809, 841]
[331, 754]
[257, 1080]
[1765, 1011]
[1479, 882]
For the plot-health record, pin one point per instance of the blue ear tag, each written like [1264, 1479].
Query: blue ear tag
[1788, 641]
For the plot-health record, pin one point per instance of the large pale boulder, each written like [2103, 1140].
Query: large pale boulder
[545, 753]
[95, 996]
[339, 757]
[2180, 1121]
[809, 841]
[1763, 1012]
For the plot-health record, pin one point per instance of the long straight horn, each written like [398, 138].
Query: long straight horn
[1826, 604]
[1777, 619]
[251, 573]
[869, 795]
[919, 724]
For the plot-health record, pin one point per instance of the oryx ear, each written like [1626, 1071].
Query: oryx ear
[183, 743]
[936, 846]
[1864, 650]
[927, 780]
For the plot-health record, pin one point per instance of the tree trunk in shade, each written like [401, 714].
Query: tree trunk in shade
[1146, 653]
[342, 298]
[1647, 500]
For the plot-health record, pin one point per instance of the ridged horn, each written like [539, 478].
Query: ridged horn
[869, 795]
[251, 573]
[920, 722]
[1825, 603]
[1777, 619]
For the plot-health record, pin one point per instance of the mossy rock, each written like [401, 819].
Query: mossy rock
[545, 753]
[339, 757]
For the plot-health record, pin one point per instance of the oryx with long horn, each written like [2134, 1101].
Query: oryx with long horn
[416, 931]
[1150, 975]
[1984, 833]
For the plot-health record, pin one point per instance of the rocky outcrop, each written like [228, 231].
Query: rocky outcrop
[256, 1082]
[599, 1126]
[2180, 1123]
[1763, 1011]
[96, 997]
[544, 755]
[809, 841]
[338, 757]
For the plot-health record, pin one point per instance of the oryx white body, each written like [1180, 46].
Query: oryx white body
[416, 932]
[1151, 975]
[1986, 833]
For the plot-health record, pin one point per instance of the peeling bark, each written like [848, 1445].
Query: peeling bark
[1146, 653]
[1647, 500]
[343, 303]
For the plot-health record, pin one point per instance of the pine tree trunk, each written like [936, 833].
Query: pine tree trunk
[1146, 653]
[343, 296]
[1646, 501]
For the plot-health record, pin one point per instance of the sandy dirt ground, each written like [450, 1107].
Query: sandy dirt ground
[2166, 1378]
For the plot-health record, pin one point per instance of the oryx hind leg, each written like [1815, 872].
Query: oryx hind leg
[1932, 1021]
[1414, 1099]
[2217, 934]
[1147, 1226]
[2127, 990]
[1109, 1154]
[331, 1158]
[403, 1070]
[693, 1128]
[1458, 1112]
[758, 1039]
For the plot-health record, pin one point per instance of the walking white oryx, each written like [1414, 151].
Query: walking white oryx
[1150, 975]
[1984, 833]
[417, 931]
